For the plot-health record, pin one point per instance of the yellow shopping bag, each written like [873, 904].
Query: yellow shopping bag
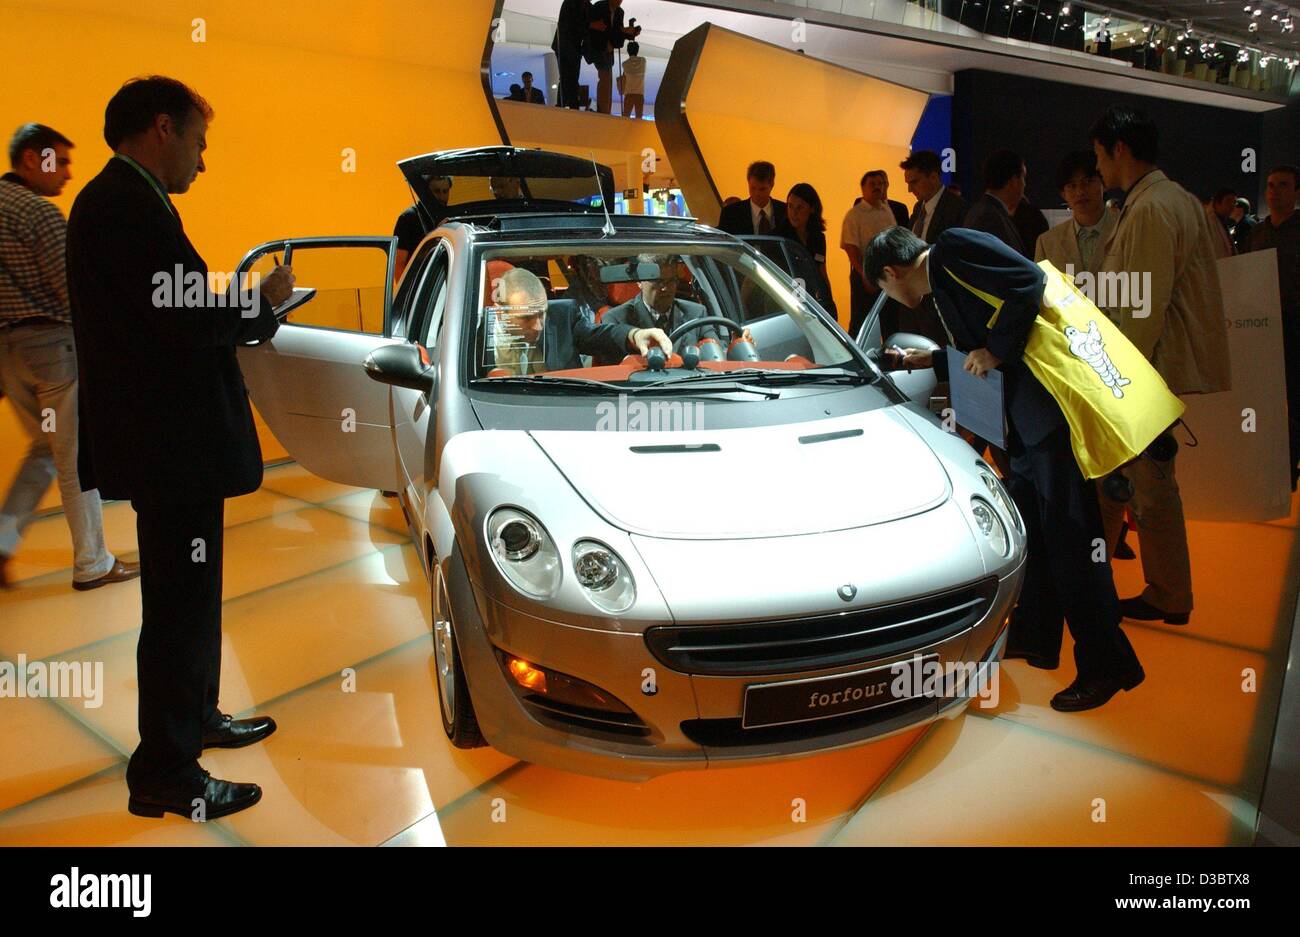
[1115, 402]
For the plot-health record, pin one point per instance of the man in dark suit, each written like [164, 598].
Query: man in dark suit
[574, 20]
[760, 213]
[1004, 187]
[526, 334]
[165, 423]
[937, 208]
[657, 307]
[976, 280]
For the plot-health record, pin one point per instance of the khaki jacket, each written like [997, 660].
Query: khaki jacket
[1163, 245]
[1059, 245]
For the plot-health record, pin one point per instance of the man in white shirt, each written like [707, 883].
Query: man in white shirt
[862, 222]
[633, 89]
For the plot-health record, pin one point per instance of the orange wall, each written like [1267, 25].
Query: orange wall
[817, 122]
[293, 84]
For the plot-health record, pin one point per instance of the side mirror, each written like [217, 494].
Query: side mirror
[919, 384]
[402, 365]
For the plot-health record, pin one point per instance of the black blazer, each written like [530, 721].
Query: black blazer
[900, 212]
[990, 266]
[991, 216]
[164, 413]
[568, 333]
[634, 313]
[738, 218]
[950, 212]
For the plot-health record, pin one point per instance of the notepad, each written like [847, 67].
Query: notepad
[977, 401]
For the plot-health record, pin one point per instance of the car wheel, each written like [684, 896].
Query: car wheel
[454, 704]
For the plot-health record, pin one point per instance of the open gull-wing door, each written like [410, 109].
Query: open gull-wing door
[308, 381]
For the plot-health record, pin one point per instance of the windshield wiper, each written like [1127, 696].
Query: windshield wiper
[568, 383]
[749, 376]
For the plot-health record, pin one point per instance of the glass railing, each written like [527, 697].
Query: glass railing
[1083, 29]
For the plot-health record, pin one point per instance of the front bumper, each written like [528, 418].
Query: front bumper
[690, 722]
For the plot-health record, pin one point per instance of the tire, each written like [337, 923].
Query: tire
[455, 707]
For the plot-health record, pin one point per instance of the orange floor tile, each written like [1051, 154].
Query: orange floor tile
[321, 582]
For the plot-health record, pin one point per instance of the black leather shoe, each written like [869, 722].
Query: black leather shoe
[1139, 609]
[1031, 658]
[219, 799]
[1089, 694]
[236, 733]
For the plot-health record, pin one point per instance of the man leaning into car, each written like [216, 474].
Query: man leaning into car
[988, 297]
[165, 423]
[527, 337]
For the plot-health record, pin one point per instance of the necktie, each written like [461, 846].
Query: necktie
[1087, 246]
[764, 226]
[919, 224]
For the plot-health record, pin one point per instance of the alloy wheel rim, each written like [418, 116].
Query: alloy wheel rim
[444, 652]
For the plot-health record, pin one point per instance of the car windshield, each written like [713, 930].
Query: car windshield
[559, 319]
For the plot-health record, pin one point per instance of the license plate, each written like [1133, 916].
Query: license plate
[775, 704]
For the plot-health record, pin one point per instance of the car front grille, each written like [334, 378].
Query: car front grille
[827, 641]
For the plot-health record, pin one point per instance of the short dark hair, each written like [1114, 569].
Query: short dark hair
[893, 247]
[1001, 167]
[761, 170]
[1243, 202]
[1076, 161]
[1123, 124]
[1221, 194]
[36, 137]
[924, 161]
[135, 105]
[633, 47]
[872, 172]
[526, 75]
[1286, 167]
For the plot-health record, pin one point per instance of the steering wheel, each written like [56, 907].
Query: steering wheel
[692, 324]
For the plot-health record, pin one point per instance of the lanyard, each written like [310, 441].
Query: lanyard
[148, 177]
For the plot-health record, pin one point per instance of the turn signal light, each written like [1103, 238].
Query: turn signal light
[526, 675]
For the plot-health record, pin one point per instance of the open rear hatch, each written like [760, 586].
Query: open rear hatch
[496, 180]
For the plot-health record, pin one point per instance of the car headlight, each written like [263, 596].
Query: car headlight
[524, 552]
[990, 525]
[999, 493]
[604, 576]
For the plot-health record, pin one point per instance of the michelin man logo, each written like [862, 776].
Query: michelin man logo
[1090, 347]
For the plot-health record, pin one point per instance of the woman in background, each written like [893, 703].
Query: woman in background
[805, 224]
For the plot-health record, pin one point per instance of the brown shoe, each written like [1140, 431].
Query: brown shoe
[120, 572]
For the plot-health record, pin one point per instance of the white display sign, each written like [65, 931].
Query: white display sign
[1239, 472]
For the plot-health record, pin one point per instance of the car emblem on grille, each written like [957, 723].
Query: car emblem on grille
[847, 591]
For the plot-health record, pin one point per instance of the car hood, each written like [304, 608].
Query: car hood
[798, 478]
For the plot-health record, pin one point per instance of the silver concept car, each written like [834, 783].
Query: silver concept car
[745, 551]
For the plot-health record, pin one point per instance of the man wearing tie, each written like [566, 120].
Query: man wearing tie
[1074, 246]
[165, 424]
[937, 208]
[760, 213]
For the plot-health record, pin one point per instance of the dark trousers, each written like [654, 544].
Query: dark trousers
[1068, 579]
[178, 659]
[860, 300]
[569, 55]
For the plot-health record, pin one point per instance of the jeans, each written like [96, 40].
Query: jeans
[38, 373]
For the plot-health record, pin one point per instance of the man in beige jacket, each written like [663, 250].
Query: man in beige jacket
[1075, 246]
[1160, 284]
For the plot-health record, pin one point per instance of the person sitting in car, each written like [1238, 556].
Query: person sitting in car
[529, 335]
[657, 306]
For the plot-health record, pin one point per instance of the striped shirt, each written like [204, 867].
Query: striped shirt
[33, 234]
